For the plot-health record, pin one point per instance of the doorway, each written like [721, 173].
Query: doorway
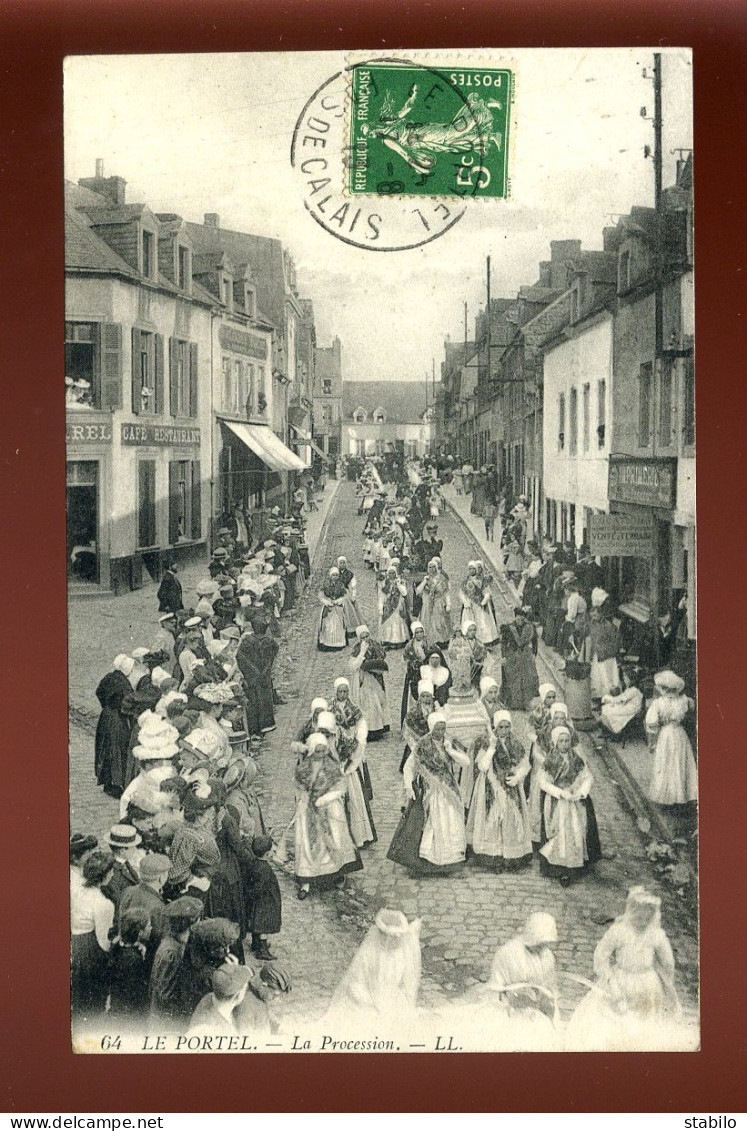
[83, 521]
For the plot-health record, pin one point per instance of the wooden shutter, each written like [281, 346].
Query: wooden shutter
[111, 365]
[136, 382]
[193, 379]
[196, 500]
[146, 502]
[173, 501]
[173, 376]
[158, 375]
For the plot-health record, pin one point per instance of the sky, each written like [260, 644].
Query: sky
[212, 133]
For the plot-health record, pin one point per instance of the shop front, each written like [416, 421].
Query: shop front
[254, 467]
[637, 543]
[89, 445]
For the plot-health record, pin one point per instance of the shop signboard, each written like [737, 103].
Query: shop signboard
[645, 482]
[88, 428]
[621, 535]
[160, 435]
[251, 345]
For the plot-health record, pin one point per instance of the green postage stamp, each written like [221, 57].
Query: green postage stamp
[417, 131]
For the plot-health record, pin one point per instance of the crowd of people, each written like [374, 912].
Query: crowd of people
[174, 913]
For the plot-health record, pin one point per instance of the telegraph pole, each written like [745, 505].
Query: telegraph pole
[658, 193]
[488, 291]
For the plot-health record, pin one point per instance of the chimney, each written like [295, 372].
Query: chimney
[211, 220]
[113, 188]
[545, 273]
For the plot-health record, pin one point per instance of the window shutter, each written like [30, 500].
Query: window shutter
[158, 375]
[196, 500]
[136, 384]
[111, 365]
[173, 376]
[193, 379]
[173, 501]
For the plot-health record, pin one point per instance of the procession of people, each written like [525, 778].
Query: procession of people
[186, 719]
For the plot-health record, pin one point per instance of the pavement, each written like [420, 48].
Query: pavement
[466, 916]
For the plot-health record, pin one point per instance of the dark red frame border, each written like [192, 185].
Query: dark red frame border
[38, 1070]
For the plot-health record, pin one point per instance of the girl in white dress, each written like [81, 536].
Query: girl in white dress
[674, 775]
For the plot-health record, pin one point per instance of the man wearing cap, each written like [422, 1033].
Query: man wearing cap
[166, 989]
[214, 1016]
[170, 590]
[123, 841]
[154, 872]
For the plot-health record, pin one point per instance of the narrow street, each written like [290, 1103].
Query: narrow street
[464, 917]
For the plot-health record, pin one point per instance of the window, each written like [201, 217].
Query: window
[379, 416]
[601, 412]
[183, 273]
[644, 404]
[260, 386]
[623, 272]
[561, 422]
[227, 397]
[665, 404]
[148, 255]
[359, 416]
[147, 372]
[326, 415]
[146, 506]
[587, 415]
[573, 422]
[82, 365]
[688, 407]
[380, 447]
[183, 377]
[185, 501]
[327, 386]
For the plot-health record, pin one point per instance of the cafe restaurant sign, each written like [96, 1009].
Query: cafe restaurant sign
[621, 535]
[159, 435]
[647, 482]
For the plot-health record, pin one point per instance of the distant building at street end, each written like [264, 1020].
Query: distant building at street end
[387, 416]
[328, 385]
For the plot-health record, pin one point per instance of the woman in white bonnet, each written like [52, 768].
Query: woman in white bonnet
[498, 829]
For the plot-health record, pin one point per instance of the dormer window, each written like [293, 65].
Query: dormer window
[149, 257]
[183, 268]
[359, 415]
[379, 416]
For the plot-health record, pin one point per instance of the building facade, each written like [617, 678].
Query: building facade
[137, 379]
[387, 416]
[328, 385]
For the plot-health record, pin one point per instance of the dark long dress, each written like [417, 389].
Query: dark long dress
[113, 732]
[255, 658]
[263, 898]
[521, 683]
[226, 898]
[170, 594]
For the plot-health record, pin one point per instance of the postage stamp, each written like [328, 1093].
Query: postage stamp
[422, 132]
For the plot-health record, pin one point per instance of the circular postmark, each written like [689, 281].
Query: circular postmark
[388, 152]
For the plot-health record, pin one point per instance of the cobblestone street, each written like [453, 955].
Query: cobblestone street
[465, 917]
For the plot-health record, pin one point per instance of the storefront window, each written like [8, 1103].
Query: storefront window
[82, 520]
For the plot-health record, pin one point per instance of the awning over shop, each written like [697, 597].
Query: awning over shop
[261, 440]
[304, 439]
